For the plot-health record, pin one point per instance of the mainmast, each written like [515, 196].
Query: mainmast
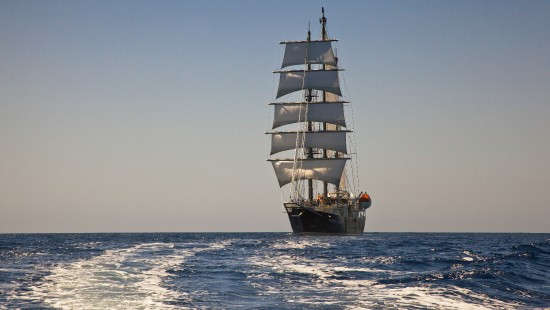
[324, 37]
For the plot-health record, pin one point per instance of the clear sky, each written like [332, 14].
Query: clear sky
[130, 116]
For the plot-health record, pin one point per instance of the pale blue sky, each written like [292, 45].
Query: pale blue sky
[150, 116]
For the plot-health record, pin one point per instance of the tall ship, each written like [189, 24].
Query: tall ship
[312, 145]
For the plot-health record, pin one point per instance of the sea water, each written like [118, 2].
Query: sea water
[274, 271]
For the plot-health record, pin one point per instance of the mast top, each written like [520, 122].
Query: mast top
[323, 22]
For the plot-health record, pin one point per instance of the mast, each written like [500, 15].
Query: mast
[309, 96]
[324, 37]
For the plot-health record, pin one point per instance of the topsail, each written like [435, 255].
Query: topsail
[295, 112]
[324, 80]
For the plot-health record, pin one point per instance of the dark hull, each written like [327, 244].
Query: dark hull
[305, 220]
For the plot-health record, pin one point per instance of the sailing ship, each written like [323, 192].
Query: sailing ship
[319, 157]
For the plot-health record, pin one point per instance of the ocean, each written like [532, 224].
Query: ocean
[274, 271]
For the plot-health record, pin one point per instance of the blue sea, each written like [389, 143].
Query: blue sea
[274, 271]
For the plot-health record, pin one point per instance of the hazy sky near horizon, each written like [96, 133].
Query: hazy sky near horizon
[138, 116]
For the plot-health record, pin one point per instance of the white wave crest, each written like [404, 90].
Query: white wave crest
[300, 244]
[313, 277]
[131, 278]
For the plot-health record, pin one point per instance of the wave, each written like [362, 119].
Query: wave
[130, 278]
[309, 282]
[118, 279]
[190, 271]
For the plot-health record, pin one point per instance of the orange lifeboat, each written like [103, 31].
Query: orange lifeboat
[364, 201]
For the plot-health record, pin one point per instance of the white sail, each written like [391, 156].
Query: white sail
[332, 140]
[312, 52]
[330, 97]
[291, 81]
[290, 113]
[328, 170]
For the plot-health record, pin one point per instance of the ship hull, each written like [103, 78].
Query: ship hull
[304, 220]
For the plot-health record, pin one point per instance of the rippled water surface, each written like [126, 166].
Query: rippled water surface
[274, 271]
